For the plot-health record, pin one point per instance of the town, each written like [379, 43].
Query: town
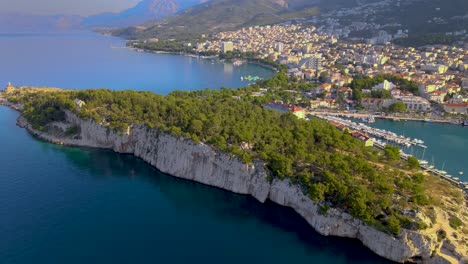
[437, 74]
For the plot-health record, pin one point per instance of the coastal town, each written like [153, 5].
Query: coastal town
[439, 72]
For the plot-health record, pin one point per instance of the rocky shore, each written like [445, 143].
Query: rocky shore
[185, 159]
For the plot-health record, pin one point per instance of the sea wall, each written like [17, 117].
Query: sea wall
[183, 158]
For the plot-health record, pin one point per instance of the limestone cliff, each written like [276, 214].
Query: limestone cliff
[201, 163]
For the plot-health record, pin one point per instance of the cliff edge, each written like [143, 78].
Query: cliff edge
[200, 162]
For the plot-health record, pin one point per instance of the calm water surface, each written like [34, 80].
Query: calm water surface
[87, 60]
[74, 205]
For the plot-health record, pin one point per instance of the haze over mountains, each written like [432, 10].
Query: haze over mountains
[144, 11]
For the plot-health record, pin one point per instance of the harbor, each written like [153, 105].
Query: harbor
[418, 147]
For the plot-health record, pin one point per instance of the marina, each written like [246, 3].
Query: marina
[376, 133]
[382, 137]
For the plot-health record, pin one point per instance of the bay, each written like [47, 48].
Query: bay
[78, 205]
[83, 60]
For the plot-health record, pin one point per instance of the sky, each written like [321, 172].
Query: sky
[75, 7]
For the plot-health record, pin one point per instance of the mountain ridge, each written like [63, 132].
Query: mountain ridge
[143, 12]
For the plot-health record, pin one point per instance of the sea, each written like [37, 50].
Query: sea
[86, 60]
[79, 205]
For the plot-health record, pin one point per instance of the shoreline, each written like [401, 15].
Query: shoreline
[192, 55]
[335, 223]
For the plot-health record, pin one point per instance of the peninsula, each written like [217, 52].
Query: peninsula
[226, 139]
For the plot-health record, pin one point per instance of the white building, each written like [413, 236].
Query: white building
[279, 47]
[386, 85]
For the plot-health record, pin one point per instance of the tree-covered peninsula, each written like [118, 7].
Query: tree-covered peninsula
[329, 165]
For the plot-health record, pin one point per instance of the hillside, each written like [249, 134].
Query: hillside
[143, 12]
[221, 15]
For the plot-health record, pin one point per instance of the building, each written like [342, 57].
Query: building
[437, 96]
[279, 47]
[368, 141]
[456, 108]
[9, 88]
[465, 84]
[227, 46]
[435, 68]
[414, 103]
[314, 62]
[386, 85]
[284, 108]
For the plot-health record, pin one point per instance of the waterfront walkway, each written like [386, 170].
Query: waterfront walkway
[365, 115]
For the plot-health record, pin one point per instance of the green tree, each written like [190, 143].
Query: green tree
[392, 152]
[413, 163]
[397, 107]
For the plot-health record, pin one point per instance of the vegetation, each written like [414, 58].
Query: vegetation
[361, 83]
[330, 166]
[413, 163]
[455, 222]
[397, 107]
[426, 39]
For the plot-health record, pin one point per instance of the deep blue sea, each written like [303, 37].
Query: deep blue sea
[74, 205]
[83, 60]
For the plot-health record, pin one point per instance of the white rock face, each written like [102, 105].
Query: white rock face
[201, 163]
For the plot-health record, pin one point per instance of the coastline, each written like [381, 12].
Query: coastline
[183, 158]
[192, 55]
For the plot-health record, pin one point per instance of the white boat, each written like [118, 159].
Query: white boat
[443, 172]
[423, 162]
[461, 173]
[457, 179]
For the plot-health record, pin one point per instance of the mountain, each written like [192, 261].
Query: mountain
[143, 12]
[219, 15]
[14, 22]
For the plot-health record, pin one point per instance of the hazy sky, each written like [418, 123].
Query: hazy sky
[78, 7]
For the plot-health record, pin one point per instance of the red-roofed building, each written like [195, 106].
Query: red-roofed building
[456, 108]
[436, 96]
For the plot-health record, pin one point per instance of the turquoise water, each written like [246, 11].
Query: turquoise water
[87, 60]
[447, 144]
[74, 205]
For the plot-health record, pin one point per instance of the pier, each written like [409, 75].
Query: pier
[391, 137]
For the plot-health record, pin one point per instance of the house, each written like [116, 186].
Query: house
[456, 108]
[436, 96]
[452, 88]
[346, 91]
[368, 141]
[327, 103]
[326, 86]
